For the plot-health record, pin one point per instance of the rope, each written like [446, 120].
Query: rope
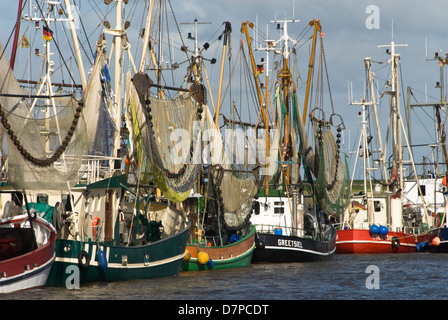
[46, 161]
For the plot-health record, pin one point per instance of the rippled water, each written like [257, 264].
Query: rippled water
[417, 276]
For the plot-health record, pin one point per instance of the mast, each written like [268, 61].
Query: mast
[285, 79]
[71, 22]
[117, 33]
[146, 36]
[437, 105]
[16, 35]
[317, 27]
[395, 113]
[262, 103]
[368, 64]
[227, 31]
[197, 55]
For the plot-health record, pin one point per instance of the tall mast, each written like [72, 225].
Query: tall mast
[395, 112]
[16, 35]
[266, 102]
[197, 54]
[368, 63]
[146, 36]
[117, 33]
[71, 22]
[442, 61]
[285, 79]
[317, 27]
[224, 47]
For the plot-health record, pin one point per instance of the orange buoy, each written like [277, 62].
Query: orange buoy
[436, 241]
[444, 181]
[127, 160]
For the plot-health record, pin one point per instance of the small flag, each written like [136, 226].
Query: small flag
[47, 34]
[25, 42]
[260, 69]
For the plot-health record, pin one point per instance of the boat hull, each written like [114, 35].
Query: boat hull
[29, 270]
[235, 255]
[361, 241]
[162, 258]
[282, 248]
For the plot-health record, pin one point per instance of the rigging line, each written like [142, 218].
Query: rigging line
[95, 11]
[416, 90]
[4, 49]
[230, 77]
[85, 33]
[140, 37]
[55, 43]
[248, 73]
[303, 33]
[178, 29]
[326, 71]
[57, 39]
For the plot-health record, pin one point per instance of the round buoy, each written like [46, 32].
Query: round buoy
[187, 255]
[435, 241]
[127, 160]
[210, 264]
[203, 257]
[383, 230]
[421, 247]
[374, 229]
[234, 238]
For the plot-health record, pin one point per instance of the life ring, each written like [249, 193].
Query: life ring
[83, 259]
[395, 243]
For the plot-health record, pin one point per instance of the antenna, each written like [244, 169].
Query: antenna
[392, 29]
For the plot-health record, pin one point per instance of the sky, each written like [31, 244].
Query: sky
[350, 36]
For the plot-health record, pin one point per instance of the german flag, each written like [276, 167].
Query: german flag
[47, 34]
[260, 69]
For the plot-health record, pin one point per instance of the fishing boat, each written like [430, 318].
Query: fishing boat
[380, 219]
[291, 214]
[110, 227]
[27, 244]
[221, 236]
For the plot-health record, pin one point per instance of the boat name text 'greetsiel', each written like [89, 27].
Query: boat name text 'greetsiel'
[289, 243]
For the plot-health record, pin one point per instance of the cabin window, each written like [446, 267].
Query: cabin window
[422, 191]
[17, 198]
[279, 210]
[42, 198]
[377, 206]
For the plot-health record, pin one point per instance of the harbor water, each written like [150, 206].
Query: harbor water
[415, 276]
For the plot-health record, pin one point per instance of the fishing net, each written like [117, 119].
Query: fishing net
[324, 167]
[243, 162]
[99, 113]
[42, 142]
[167, 138]
[332, 183]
